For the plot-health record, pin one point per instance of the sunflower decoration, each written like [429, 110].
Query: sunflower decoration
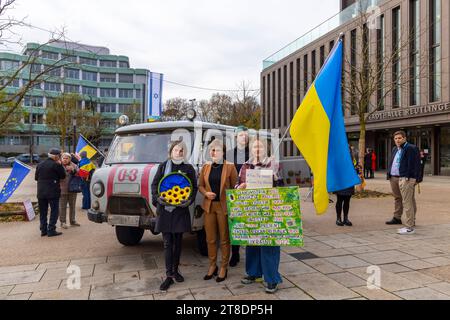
[175, 189]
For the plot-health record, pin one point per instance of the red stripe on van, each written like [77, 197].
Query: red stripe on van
[145, 192]
[111, 176]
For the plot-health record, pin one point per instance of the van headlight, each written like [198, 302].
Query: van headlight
[98, 189]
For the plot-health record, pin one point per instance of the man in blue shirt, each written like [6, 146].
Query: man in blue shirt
[403, 174]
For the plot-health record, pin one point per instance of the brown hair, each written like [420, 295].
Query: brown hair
[173, 144]
[264, 141]
[400, 133]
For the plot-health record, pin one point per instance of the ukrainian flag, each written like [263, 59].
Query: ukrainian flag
[83, 145]
[319, 133]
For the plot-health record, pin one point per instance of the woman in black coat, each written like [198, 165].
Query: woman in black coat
[343, 201]
[173, 221]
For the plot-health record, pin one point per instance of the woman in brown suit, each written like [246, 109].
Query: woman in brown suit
[215, 178]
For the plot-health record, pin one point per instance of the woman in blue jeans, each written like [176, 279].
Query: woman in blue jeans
[261, 261]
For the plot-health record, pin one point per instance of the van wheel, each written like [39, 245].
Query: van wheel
[129, 236]
[201, 242]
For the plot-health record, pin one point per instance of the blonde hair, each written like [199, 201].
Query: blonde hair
[180, 143]
[217, 143]
[66, 154]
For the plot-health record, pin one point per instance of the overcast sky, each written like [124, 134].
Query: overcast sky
[206, 43]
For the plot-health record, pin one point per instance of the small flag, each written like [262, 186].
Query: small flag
[18, 173]
[86, 166]
[83, 145]
[318, 131]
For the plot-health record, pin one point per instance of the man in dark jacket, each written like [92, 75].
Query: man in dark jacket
[241, 155]
[48, 174]
[404, 173]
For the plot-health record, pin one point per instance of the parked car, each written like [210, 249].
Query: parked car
[3, 162]
[25, 158]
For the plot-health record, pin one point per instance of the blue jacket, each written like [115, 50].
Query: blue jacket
[409, 162]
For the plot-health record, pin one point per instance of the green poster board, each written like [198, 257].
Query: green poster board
[265, 217]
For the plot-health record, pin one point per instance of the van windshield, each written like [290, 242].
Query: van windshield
[140, 148]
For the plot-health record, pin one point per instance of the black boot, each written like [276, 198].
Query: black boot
[234, 256]
[347, 222]
[339, 221]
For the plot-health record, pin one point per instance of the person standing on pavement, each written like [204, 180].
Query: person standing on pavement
[215, 178]
[66, 196]
[374, 164]
[173, 221]
[261, 261]
[403, 174]
[86, 170]
[241, 155]
[48, 175]
[343, 200]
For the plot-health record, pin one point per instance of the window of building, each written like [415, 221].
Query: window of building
[69, 58]
[35, 68]
[297, 83]
[88, 61]
[125, 108]
[343, 84]
[52, 86]
[90, 91]
[291, 91]
[9, 65]
[37, 86]
[313, 65]
[71, 88]
[72, 73]
[90, 76]
[263, 102]
[108, 107]
[331, 46]
[414, 47]
[305, 74]
[108, 123]
[35, 118]
[33, 102]
[435, 51]
[54, 72]
[353, 54]
[269, 102]
[125, 78]
[50, 55]
[285, 96]
[123, 64]
[107, 77]
[108, 92]
[273, 100]
[108, 63]
[396, 61]
[381, 45]
[14, 83]
[279, 97]
[322, 55]
[138, 94]
[125, 93]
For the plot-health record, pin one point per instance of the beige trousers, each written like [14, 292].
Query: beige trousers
[68, 198]
[404, 195]
[217, 220]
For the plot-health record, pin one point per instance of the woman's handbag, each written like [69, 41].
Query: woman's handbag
[75, 184]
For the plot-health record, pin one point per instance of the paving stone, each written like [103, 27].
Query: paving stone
[5, 290]
[126, 276]
[146, 297]
[62, 273]
[389, 281]
[94, 280]
[157, 273]
[118, 267]
[422, 253]
[394, 267]
[321, 287]
[85, 261]
[292, 294]
[27, 267]
[443, 287]
[251, 297]
[285, 284]
[330, 252]
[23, 296]
[62, 294]
[416, 264]
[422, 294]
[20, 277]
[296, 267]
[292, 249]
[124, 258]
[384, 257]
[346, 262]
[36, 286]
[375, 294]
[284, 257]
[418, 277]
[442, 273]
[53, 265]
[211, 293]
[125, 289]
[360, 249]
[347, 279]
[174, 295]
[323, 265]
[237, 288]
[438, 261]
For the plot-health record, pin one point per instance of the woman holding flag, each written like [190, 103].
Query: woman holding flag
[86, 171]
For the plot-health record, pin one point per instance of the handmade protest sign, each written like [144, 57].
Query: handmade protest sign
[257, 179]
[265, 217]
[29, 210]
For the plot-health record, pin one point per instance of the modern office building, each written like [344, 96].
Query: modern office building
[105, 82]
[420, 105]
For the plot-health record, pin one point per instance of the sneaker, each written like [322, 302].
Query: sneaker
[178, 277]
[404, 231]
[53, 233]
[271, 287]
[64, 225]
[166, 284]
[394, 221]
[74, 224]
[251, 279]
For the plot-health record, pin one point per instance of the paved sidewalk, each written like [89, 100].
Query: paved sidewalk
[333, 264]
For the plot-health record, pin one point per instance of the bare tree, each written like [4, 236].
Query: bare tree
[175, 109]
[247, 110]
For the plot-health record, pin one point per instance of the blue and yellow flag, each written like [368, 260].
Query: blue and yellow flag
[18, 173]
[83, 145]
[318, 131]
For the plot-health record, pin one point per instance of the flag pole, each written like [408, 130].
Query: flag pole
[341, 36]
[92, 145]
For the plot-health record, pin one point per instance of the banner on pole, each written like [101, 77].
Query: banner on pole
[265, 217]
[154, 97]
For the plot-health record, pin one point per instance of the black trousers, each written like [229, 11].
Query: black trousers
[54, 213]
[172, 252]
[235, 250]
[343, 202]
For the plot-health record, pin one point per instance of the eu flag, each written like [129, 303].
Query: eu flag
[318, 131]
[18, 173]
